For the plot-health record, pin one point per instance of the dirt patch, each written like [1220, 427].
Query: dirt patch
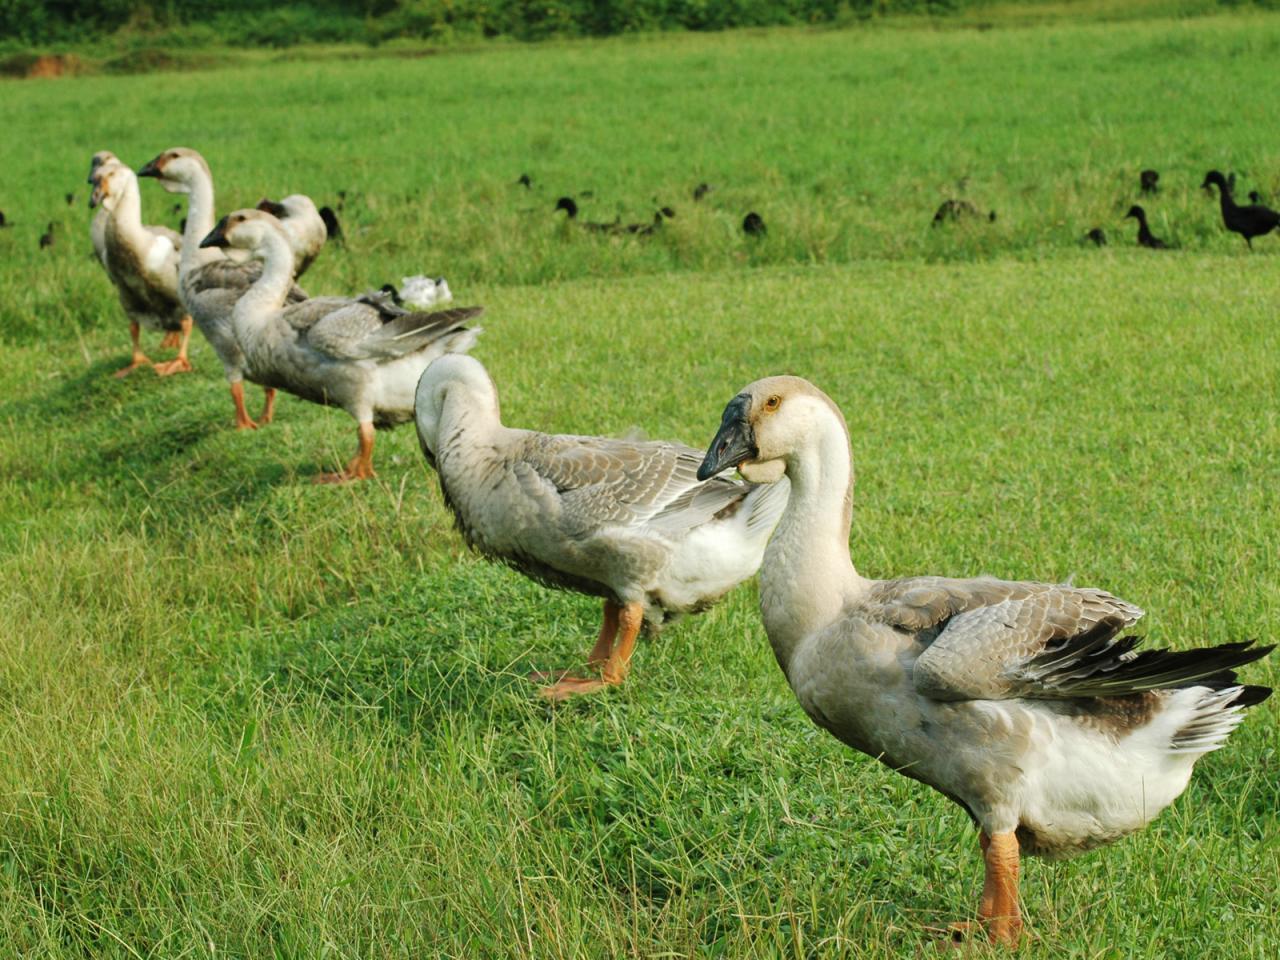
[40, 65]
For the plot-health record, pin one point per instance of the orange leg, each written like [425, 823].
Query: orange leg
[617, 663]
[139, 358]
[359, 467]
[998, 910]
[599, 653]
[269, 405]
[171, 340]
[243, 420]
[180, 363]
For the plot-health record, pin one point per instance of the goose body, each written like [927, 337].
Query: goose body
[212, 280]
[1145, 237]
[302, 224]
[362, 354]
[142, 263]
[1250, 221]
[1024, 702]
[623, 520]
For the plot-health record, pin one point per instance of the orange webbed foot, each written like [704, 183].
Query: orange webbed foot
[177, 365]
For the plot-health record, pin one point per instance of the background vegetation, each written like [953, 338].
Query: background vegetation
[186, 23]
[244, 716]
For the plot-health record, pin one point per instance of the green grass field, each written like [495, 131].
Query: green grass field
[242, 716]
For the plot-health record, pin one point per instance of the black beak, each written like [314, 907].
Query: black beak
[217, 236]
[735, 441]
[150, 170]
[277, 210]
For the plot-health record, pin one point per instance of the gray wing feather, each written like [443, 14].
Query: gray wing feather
[990, 631]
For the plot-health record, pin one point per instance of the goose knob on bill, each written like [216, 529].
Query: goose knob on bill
[1027, 703]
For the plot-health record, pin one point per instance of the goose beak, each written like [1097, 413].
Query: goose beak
[217, 236]
[277, 210]
[733, 443]
[151, 169]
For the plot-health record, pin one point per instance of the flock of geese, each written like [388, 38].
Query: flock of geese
[1029, 704]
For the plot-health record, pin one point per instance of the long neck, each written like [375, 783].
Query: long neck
[807, 577]
[269, 291]
[126, 216]
[1225, 198]
[200, 218]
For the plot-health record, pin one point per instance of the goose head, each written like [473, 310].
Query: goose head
[765, 426]
[1214, 177]
[568, 205]
[1137, 213]
[100, 159]
[294, 205]
[452, 375]
[110, 182]
[252, 230]
[177, 169]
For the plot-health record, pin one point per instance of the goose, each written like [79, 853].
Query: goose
[46, 238]
[570, 208]
[1021, 701]
[1145, 237]
[303, 225]
[362, 354]
[1149, 182]
[210, 282]
[953, 210]
[1252, 221]
[142, 263]
[700, 191]
[623, 520]
[98, 224]
[1097, 236]
[525, 181]
[753, 225]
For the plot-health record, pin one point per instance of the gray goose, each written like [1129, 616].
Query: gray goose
[303, 225]
[210, 282]
[1021, 701]
[363, 354]
[622, 520]
[142, 262]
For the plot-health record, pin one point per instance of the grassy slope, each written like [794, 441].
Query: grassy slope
[244, 713]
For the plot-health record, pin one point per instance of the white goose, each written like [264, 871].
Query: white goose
[622, 520]
[303, 226]
[98, 224]
[362, 354]
[1020, 701]
[142, 262]
[210, 281]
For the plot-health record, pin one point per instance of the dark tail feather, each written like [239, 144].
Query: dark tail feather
[1097, 664]
[413, 331]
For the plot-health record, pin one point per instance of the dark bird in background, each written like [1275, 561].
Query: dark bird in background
[331, 225]
[954, 210]
[1252, 221]
[753, 225]
[71, 199]
[1255, 197]
[178, 208]
[570, 207]
[46, 238]
[1097, 236]
[1149, 181]
[3, 221]
[1145, 237]
[525, 181]
[342, 199]
[700, 191]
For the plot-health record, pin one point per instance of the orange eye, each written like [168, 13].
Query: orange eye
[773, 403]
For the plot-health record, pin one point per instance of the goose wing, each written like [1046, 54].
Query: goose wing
[365, 329]
[606, 482]
[989, 633]
[233, 276]
[1000, 640]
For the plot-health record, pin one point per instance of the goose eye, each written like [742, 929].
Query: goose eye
[773, 402]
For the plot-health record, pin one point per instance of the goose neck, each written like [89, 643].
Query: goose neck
[807, 576]
[269, 291]
[200, 220]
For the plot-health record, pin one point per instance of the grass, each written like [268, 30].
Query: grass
[244, 716]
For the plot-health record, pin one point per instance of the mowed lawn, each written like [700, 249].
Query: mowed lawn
[244, 716]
